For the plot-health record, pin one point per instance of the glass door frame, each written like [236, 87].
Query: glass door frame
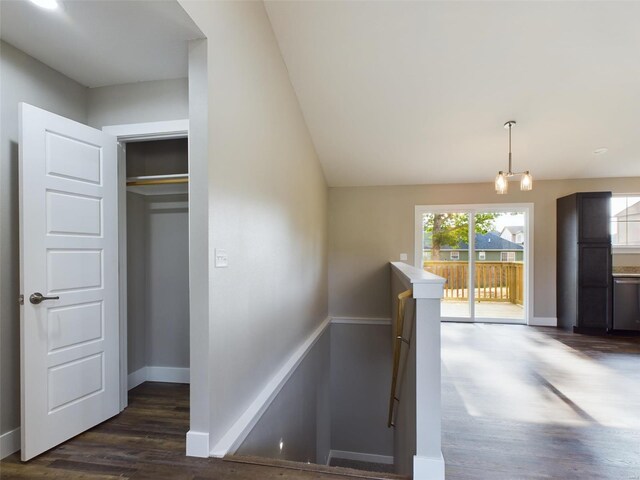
[471, 210]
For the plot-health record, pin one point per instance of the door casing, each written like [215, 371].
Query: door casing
[137, 132]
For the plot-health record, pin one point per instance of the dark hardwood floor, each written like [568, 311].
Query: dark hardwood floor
[538, 403]
[519, 403]
[147, 442]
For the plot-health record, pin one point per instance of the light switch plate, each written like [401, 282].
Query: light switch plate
[222, 260]
[403, 257]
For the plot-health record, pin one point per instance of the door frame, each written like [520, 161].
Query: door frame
[470, 209]
[129, 133]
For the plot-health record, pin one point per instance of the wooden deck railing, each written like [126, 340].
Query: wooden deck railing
[495, 281]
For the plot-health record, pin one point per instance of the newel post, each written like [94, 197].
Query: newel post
[428, 462]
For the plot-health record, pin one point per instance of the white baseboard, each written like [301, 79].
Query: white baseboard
[428, 468]
[360, 457]
[361, 320]
[197, 444]
[238, 432]
[136, 378]
[168, 374]
[158, 374]
[544, 322]
[9, 443]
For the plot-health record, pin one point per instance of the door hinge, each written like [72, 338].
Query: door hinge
[20, 299]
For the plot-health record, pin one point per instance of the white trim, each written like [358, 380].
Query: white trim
[136, 378]
[134, 132]
[360, 321]
[197, 444]
[9, 443]
[168, 374]
[139, 132]
[544, 322]
[360, 457]
[234, 437]
[428, 468]
[424, 284]
[158, 374]
[122, 273]
[625, 249]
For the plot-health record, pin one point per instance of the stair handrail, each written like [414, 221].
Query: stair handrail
[398, 340]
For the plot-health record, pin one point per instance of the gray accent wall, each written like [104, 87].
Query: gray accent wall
[136, 282]
[158, 282]
[168, 285]
[360, 386]
[22, 79]
[404, 432]
[336, 399]
[299, 416]
[159, 157]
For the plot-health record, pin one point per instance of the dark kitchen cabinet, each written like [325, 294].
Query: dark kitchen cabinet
[583, 275]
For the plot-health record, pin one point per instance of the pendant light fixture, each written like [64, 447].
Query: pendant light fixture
[502, 179]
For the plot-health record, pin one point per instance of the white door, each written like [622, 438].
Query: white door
[69, 252]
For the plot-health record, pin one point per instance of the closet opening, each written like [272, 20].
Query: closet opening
[154, 199]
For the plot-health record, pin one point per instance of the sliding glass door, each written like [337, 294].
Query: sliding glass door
[482, 252]
[499, 267]
[445, 253]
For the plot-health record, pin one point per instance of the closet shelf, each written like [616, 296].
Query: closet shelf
[159, 184]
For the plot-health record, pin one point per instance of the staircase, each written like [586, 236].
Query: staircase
[325, 470]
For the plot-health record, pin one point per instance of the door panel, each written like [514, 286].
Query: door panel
[68, 249]
[499, 280]
[594, 214]
[594, 266]
[451, 262]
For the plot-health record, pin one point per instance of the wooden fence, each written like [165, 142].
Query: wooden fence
[495, 281]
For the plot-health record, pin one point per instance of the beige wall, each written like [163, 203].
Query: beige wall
[140, 102]
[268, 209]
[369, 226]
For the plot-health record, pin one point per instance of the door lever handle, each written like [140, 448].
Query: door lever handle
[37, 298]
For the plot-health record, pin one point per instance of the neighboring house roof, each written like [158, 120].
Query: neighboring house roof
[487, 242]
[633, 211]
[513, 229]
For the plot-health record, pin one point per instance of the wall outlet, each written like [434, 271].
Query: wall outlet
[403, 257]
[222, 260]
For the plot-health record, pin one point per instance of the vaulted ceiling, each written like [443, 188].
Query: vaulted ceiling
[398, 92]
[417, 92]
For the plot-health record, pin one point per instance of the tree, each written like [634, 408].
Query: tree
[453, 228]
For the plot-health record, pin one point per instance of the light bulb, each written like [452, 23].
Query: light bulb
[502, 184]
[526, 182]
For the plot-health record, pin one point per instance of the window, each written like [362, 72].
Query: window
[625, 220]
[454, 256]
[482, 255]
[507, 256]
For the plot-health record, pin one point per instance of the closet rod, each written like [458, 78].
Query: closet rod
[158, 179]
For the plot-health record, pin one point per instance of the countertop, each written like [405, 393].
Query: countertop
[636, 275]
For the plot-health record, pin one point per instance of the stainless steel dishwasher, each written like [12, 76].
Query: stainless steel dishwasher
[626, 303]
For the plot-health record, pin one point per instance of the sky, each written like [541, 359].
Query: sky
[507, 219]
